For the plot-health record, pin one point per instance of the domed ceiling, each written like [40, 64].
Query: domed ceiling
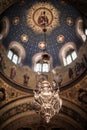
[26, 23]
[25, 26]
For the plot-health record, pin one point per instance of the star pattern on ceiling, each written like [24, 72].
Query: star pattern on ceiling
[24, 38]
[60, 38]
[15, 20]
[42, 45]
[69, 21]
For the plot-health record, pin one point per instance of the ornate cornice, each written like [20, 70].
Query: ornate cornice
[6, 4]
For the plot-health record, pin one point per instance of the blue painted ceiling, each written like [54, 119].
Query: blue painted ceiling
[31, 46]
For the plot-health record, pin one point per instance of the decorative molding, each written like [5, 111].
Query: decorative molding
[29, 106]
[72, 94]
[10, 94]
[6, 4]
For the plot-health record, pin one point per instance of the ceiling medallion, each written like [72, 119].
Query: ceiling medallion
[69, 21]
[42, 14]
[60, 38]
[15, 20]
[24, 38]
[42, 45]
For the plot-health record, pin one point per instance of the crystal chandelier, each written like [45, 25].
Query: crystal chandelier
[46, 95]
[47, 98]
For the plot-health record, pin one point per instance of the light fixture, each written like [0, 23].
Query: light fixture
[47, 99]
[46, 95]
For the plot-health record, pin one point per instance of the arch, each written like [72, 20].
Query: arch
[5, 26]
[26, 115]
[67, 50]
[42, 62]
[80, 29]
[17, 49]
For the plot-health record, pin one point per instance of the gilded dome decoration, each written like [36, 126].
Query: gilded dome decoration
[69, 21]
[16, 20]
[43, 15]
[30, 28]
[42, 45]
[60, 38]
[24, 38]
[43, 40]
[33, 18]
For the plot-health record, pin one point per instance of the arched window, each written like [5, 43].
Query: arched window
[42, 62]
[4, 26]
[16, 52]
[70, 56]
[13, 56]
[68, 53]
[37, 67]
[86, 31]
[42, 67]
[46, 67]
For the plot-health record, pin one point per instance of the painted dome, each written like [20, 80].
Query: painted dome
[32, 27]
[26, 23]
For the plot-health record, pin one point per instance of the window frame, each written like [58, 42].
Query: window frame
[71, 52]
[12, 57]
[41, 67]
[38, 59]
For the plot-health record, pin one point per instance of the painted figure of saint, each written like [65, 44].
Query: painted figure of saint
[26, 79]
[13, 72]
[70, 73]
[43, 19]
[58, 79]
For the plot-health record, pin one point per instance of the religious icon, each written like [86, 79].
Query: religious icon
[43, 16]
[43, 19]
[26, 79]
[13, 72]
[2, 94]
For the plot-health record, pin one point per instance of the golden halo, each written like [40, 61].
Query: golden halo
[42, 15]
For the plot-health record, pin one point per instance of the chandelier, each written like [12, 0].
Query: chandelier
[46, 95]
[47, 98]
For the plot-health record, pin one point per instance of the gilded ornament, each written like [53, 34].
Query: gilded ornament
[42, 15]
[60, 38]
[24, 38]
[69, 21]
[16, 20]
